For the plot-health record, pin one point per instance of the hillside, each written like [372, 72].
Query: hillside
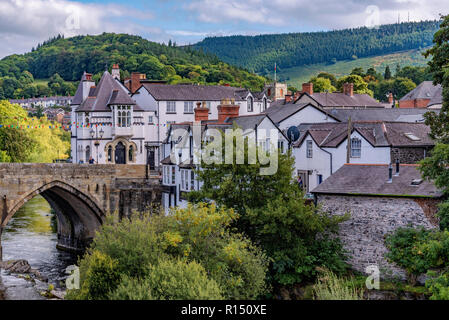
[70, 57]
[260, 53]
[297, 75]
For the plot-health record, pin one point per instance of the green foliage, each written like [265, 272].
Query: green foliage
[360, 86]
[132, 289]
[435, 167]
[151, 246]
[387, 74]
[297, 49]
[322, 85]
[180, 280]
[293, 234]
[62, 59]
[404, 250]
[438, 285]
[331, 287]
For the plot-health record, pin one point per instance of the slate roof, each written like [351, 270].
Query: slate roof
[339, 99]
[371, 180]
[78, 99]
[392, 114]
[187, 92]
[425, 90]
[280, 112]
[437, 97]
[378, 133]
[108, 92]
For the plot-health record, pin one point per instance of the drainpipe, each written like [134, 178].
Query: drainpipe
[330, 155]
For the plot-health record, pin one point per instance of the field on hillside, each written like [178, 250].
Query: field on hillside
[298, 75]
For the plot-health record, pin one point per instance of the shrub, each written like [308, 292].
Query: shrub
[99, 275]
[181, 280]
[438, 285]
[132, 289]
[331, 287]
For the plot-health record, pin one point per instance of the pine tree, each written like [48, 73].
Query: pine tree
[387, 74]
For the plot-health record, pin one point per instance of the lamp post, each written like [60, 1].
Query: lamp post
[147, 147]
[97, 142]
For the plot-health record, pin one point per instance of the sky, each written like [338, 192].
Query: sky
[25, 23]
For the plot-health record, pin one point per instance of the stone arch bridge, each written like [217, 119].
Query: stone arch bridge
[80, 194]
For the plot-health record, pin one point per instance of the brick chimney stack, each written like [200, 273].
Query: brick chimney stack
[307, 88]
[136, 77]
[201, 113]
[227, 109]
[348, 89]
[390, 98]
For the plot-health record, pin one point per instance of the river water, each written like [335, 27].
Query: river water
[31, 235]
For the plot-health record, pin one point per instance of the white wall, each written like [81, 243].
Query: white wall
[308, 114]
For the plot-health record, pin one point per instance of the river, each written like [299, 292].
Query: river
[31, 235]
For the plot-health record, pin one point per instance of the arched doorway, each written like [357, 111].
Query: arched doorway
[120, 153]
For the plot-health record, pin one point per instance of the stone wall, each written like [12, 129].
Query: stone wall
[409, 155]
[372, 218]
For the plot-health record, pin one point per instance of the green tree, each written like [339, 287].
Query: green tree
[387, 73]
[360, 86]
[322, 85]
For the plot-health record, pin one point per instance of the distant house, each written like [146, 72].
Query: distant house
[322, 147]
[44, 102]
[344, 100]
[379, 202]
[425, 95]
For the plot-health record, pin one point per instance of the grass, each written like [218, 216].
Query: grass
[331, 287]
[297, 75]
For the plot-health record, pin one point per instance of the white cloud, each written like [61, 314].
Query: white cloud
[24, 23]
[325, 14]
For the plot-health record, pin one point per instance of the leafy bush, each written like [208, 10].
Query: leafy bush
[331, 287]
[199, 235]
[403, 250]
[132, 289]
[99, 274]
[438, 286]
[182, 280]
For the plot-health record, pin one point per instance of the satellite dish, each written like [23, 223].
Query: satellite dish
[293, 133]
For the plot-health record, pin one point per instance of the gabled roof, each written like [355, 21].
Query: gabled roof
[372, 180]
[107, 92]
[190, 92]
[78, 98]
[377, 133]
[437, 97]
[280, 112]
[339, 99]
[425, 90]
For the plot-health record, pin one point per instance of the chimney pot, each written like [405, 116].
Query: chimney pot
[227, 111]
[348, 89]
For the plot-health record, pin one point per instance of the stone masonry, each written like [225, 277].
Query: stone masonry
[372, 218]
[81, 195]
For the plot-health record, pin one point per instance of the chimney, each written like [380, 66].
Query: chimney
[307, 88]
[87, 84]
[390, 174]
[348, 89]
[201, 113]
[136, 77]
[288, 98]
[226, 110]
[390, 98]
[397, 168]
[115, 72]
[226, 85]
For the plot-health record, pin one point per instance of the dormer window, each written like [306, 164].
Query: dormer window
[356, 148]
[250, 104]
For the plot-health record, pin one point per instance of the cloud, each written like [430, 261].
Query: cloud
[24, 23]
[324, 14]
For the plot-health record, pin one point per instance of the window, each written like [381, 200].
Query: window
[309, 149]
[188, 106]
[250, 104]
[171, 106]
[208, 105]
[281, 145]
[150, 119]
[109, 154]
[173, 174]
[123, 116]
[87, 153]
[128, 119]
[192, 180]
[356, 148]
[131, 153]
[319, 178]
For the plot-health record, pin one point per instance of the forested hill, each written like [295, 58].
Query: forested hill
[70, 57]
[259, 53]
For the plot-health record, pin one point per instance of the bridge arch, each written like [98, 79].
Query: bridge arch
[78, 215]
